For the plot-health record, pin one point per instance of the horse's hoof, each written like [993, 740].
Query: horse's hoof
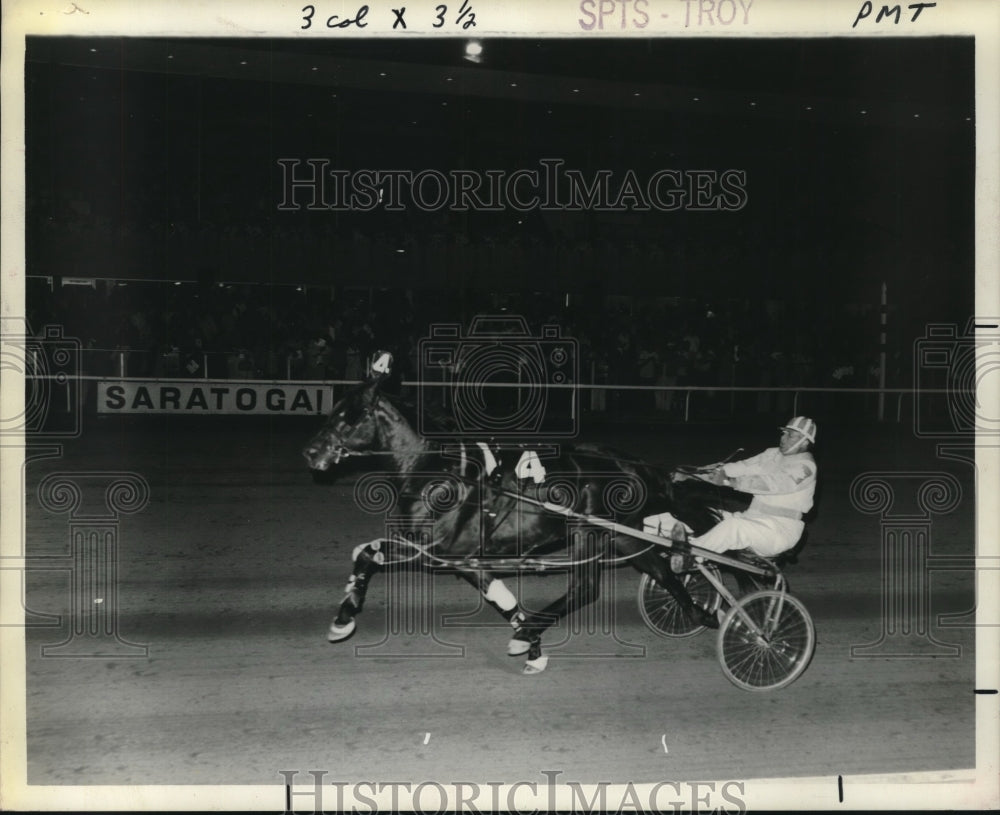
[341, 632]
[517, 647]
[535, 666]
[705, 618]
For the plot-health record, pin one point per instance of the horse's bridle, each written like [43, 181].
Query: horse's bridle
[338, 439]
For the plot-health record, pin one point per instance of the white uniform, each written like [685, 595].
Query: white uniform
[782, 488]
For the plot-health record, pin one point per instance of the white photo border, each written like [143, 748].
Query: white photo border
[976, 788]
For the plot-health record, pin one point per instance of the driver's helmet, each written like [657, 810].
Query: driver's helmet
[804, 425]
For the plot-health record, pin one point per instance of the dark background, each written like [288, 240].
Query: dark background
[145, 154]
[152, 171]
[143, 167]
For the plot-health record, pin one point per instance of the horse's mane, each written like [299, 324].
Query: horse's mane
[429, 414]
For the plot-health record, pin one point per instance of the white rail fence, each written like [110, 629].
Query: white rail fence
[587, 398]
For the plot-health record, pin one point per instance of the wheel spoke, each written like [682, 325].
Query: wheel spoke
[778, 655]
[665, 615]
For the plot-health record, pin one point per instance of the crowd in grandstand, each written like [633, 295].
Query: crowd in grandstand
[294, 332]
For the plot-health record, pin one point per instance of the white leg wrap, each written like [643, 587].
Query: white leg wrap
[535, 666]
[517, 647]
[498, 594]
[341, 632]
[375, 546]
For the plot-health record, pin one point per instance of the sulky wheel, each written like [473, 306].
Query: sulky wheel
[664, 614]
[773, 653]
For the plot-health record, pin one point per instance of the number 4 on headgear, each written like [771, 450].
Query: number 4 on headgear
[379, 364]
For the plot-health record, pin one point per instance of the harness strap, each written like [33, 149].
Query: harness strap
[489, 460]
[781, 512]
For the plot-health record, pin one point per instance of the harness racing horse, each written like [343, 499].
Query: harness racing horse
[484, 519]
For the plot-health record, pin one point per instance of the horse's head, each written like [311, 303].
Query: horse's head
[363, 421]
[352, 428]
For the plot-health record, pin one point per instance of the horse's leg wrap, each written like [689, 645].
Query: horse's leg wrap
[496, 593]
[537, 661]
[500, 596]
[584, 588]
[524, 638]
[368, 559]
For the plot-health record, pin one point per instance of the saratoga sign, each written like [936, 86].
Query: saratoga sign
[212, 396]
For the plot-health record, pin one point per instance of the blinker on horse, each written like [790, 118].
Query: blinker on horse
[485, 521]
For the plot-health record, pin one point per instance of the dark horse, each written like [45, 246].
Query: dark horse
[484, 518]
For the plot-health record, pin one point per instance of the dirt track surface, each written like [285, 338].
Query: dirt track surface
[233, 571]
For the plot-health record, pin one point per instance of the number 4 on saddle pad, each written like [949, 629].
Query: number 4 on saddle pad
[530, 466]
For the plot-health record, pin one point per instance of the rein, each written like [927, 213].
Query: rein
[501, 564]
[497, 490]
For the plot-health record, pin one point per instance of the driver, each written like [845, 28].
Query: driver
[781, 480]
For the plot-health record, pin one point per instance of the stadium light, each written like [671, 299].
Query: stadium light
[474, 51]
